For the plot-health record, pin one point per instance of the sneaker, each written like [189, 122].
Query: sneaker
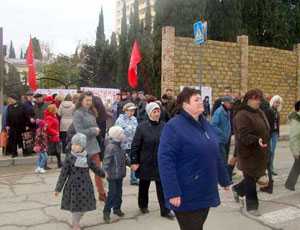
[106, 218]
[119, 213]
[144, 210]
[169, 216]
[42, 170]
[37, 170]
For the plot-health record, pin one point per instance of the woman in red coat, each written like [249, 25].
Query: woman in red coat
[52, 130]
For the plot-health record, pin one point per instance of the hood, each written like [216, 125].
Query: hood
[48, 114]
[294, 116]
[67, 104]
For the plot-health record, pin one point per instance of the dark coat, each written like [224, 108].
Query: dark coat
[190, 163]
[39, 110]
[144, 149]
[249, 126]
[29, 111]
[274, 120]
[16, 117]
[114, 162]
[78, 194]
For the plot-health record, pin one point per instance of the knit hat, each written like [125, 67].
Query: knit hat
[129, 106]
[150, 107]
[79, 139]
[116, 133]
[228, 99]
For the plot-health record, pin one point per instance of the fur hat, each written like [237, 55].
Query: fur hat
[150, 107]
[79, 139]
[129, 106]
[116, 133]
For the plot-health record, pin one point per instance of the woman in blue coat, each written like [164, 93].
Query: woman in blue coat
[190, 164]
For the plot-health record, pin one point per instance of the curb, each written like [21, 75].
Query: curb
[26, 161]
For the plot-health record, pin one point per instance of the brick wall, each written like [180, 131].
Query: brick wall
[223, 64]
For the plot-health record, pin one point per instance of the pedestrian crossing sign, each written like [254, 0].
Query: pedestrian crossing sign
[200, 32]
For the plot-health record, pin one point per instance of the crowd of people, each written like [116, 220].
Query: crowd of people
[181, 143]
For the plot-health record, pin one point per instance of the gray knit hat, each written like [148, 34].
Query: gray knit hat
[79, 139]
[150, 107]
[116, 133]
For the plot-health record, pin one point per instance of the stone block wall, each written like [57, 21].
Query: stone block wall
[238, 65]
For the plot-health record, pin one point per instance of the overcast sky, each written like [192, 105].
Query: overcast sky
[60, 23]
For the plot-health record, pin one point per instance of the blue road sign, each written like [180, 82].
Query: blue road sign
[200, 32]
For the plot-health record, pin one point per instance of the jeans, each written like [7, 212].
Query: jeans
[143, 196]
[42, 159]
[273, 144]
[192, 220]
[114, 198]
[294, 174]
[247, 187]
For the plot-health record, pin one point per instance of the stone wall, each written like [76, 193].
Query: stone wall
[223, 64]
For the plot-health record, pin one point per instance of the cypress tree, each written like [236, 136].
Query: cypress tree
[12, 52]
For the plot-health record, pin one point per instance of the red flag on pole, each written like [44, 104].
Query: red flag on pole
[135, 59]
[31, 78]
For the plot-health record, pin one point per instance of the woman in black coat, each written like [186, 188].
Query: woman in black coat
[144, 161]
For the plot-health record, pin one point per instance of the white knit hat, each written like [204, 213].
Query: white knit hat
[116, 133]
[79, 139]
[150, 107]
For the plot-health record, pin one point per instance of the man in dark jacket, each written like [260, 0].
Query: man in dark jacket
[16, 122]
[29, 110]
[39, 107]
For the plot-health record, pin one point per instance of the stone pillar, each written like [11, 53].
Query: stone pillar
[298, 71]
[167, 59]
[244, 52]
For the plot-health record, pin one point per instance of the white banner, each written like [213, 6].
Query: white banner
[56, 91]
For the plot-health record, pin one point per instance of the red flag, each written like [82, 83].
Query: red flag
[134, 61]
[31, 79]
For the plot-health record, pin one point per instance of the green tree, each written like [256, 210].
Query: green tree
[134, 32]
[12, 52]
[13, 83]
[21, 54]
[63, 71]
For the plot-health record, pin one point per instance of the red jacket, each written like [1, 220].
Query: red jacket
[52, 127]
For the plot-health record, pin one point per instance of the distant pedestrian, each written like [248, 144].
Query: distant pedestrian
[294, 143]
[218, 102]
[75, 181]
[273, 115]
[52, 130]
[128, 123]
[65, 112]
[144, 159]
[252, 132]
[206, 105]
[41, 146]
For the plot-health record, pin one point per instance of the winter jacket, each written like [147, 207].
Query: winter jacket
[65, 112]
[39, 110]
[40, 141]
[216, 105]
[16, 117]
[274, 120]
[145, 147]
[29, 111]
[221, 121]
[85, 122]
[294, 133]
[129, 125]
[190, 164]
[114, 162]
[52, 127]
[77, 186]
[249, 126]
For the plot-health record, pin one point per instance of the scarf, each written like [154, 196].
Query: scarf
[81, 159]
